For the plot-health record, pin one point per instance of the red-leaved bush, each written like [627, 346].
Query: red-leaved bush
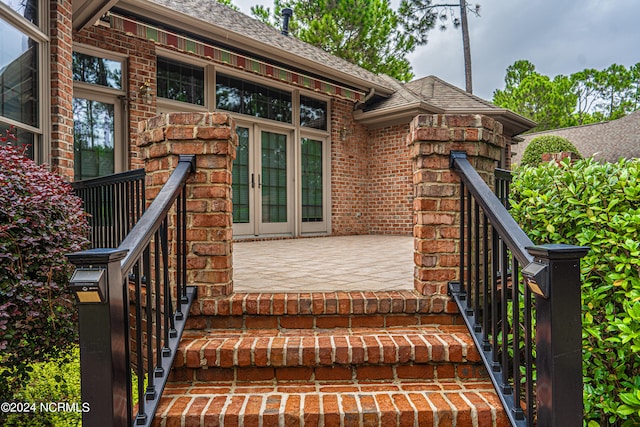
[40, 221]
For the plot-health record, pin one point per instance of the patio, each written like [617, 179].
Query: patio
[342, 263]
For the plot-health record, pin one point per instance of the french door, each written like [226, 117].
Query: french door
[263, 181]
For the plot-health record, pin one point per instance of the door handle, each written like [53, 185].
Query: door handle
[253, 184]
[259, 182]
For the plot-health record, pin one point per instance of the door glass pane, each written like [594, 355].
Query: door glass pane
[93, 130]
[274, 177]
[311, 180]
[241, 178]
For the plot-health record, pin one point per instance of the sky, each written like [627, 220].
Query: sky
[557, 36]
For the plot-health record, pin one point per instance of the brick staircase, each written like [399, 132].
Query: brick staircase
[327, 359]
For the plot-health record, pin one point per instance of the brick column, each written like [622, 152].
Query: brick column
[437, 193]
[211, 138]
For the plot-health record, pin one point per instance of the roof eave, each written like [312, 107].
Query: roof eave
[86, 12]
[406, 112]
[215, 33]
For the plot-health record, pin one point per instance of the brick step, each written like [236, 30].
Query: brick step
[311, 404]
[325, 347]
[321, 310]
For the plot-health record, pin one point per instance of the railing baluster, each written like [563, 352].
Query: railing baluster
[183, 298]
[179, 227]
[495, 295]
[159, 282]
[468, 286]
[141, 417]
[476, 307]
[146, 262]
[487, 312]
[504, 306]
[515, 301]
[528, 355]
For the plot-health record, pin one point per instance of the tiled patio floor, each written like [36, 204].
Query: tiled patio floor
[344, 263]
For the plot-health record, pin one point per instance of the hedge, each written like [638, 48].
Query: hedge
[596, 205]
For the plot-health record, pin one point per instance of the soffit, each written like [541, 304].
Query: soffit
[86, 12]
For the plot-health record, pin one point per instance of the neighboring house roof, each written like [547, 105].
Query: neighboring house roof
[608, 141]
[431, 95]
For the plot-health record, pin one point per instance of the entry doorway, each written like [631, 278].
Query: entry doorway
[263, 181]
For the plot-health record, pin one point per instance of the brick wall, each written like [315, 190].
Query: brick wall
[390, 190]
[349, 171]
[61, 46]
[437, 190]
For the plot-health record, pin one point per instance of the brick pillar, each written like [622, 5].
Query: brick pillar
[437, 193]
[60, 156]
[211, 138]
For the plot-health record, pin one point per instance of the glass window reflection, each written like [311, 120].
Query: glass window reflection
[25, 8]
[18, 75]
[98, 71]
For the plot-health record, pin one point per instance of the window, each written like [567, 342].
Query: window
[27, 9]
[97, 71]
[180, 82]
[252, 99]
[22, 56]
[313, 113]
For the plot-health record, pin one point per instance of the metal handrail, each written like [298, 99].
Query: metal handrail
[106, 281]
[522, 306]
[141, 234]
[509, 230]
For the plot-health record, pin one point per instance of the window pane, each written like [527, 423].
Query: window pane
[244, 97]
[26, 8]
[180, 82]
[241, 178]
[97, 71]
[274, 177]
[24, 140]
[18, 76]
[313, 113]
[311, 180]
[93, 128]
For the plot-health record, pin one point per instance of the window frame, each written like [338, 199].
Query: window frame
[42, 142]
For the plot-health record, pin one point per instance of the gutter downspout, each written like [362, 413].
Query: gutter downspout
[358, 105]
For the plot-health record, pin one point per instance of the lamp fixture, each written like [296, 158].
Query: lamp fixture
[146, 93]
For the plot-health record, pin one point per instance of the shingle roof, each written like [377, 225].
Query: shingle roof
[222, 16]
[608, 141]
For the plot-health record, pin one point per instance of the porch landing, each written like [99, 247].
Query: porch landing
[324, 264]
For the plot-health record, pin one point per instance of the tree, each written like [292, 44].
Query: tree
[587, 96]
[364, 32]
[419, 16]
[548, 102]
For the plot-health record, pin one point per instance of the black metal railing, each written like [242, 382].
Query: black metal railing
[522, 306]
[114, 204]
[133, 306]
[503, 185]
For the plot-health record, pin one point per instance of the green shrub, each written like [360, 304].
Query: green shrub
[40, 221]
[595, 205]
[540, 145]
[50, 382]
